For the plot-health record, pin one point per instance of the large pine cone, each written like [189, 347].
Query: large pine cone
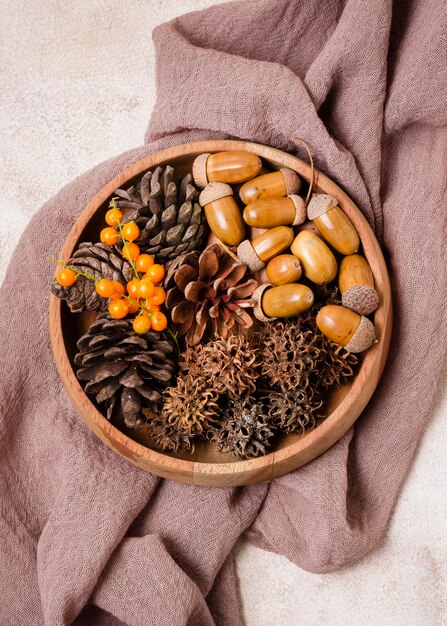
[208, 294]
[120, 365]
[170, 219]
[101, 261]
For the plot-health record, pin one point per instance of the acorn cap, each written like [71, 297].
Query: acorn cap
[362, 299]
[363, 338]
[257, 309]
[300, 209]
[292, 180]
[214, 191]
[246, 254]
[319, 204]
[199, 169]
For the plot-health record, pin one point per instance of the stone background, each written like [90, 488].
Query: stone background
[71, 98]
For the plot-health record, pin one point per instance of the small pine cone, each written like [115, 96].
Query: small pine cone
[246, 431]
[170, 219]
[119, 365]
[189, 410]
[99, 260]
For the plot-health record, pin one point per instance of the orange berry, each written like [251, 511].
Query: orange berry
[130, 231]
[141, 324]
[146, 289]
[109, 236]
[132, 288]
[118, 309]
[159, 321]
[144, 262]
[105, 288]
[66, 277]
[151, 307]
[118, 290]
[114, 217]
[155, 273]
[131, 251]
[159, 296]
[133, 307]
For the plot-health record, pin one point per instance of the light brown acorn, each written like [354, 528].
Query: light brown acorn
[333, 223]
[222, 213]
[256, 253]
[232, 166]
[271, 212]
[283, 269]
[282, 301]
[284, 182]
[346, 328]
[318, 262]
[356, 284]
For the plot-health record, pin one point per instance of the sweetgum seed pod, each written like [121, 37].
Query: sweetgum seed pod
[231, 166]
[333, 223]
[222, 213]
[284, 182]
[346, 328]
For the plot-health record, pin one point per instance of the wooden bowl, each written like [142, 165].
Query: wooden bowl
[206, 466]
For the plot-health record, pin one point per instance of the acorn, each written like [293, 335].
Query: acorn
[333, 223]
[318, 262]
[283, 301]
[232, 166]
[222, 213]
[283, 269]
[271, 212]
[256, 253]
[346, 328]
[284, 182]
[356, 284]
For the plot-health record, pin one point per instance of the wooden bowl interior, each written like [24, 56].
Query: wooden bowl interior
[206, 465]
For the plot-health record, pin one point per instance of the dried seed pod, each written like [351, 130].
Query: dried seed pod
[284, 182]
[318, 262]
[346, 328]
[232, 166]
[222, 213]
[283, 269]
[333, 223]
[282, 301]
[264, 247]
[271, 212]
[356, 284]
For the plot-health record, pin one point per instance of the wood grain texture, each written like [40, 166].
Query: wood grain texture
[207, 466]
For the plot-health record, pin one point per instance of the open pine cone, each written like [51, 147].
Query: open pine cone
[120, 365]
[246, 431]
[99, 260]
[208, 294]
[170, 219]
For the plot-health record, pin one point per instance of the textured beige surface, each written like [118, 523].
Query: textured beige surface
[68, 101]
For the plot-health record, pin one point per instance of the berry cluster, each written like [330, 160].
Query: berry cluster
[142, 295]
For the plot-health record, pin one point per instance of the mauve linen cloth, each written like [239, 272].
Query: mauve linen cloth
[88, 539]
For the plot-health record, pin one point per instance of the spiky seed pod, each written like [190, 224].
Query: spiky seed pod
[296, 410]
[208, 294]
[229, 366]
[246, 431]
[170, 219]
[99, 260]
[119, 365]
[189, 411]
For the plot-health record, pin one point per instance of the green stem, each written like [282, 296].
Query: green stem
[134, 267]
[174, 337]
[73, 269]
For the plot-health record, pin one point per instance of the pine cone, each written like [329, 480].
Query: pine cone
[189, 411]
[101, 261]
[295, 410]
[170, 219]
[208, 294]
[246, 431]
[229, 366]
[119, 364]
